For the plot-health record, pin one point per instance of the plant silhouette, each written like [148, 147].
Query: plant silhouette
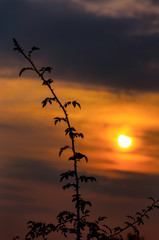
[75, 223]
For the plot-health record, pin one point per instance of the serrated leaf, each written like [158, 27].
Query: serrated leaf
[86, 179]
[47, 100]
[58, 119]
[66, 175]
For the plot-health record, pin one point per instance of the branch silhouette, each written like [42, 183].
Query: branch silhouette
[77, 222]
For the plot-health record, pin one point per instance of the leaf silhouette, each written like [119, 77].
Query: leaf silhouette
[76, 103]
[58, 119]
[66, 175]
[67, 103]
[24, 69]
[62, 149]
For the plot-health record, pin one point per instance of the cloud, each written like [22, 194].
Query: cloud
[150, 139]
[122, 8]
[7, 126]
[126, 185]
[25, 169]
[81, 46]
[21, 179]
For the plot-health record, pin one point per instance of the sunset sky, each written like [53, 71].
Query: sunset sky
[105, 55]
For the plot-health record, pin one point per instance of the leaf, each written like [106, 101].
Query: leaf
[86, 179]
[15, 42]
[66, 104]
[33, 49]
[78, 135]
[101, 218]
[62, 149]
[138, 213]
[45, 69]
[48, 69]
[76, 103]
[57, 119]
[24, 69]
[30, 222]
[68, 185]
[69, 130]
[81, 135]
[151, 198]
[17, 46]
[106, 226]
[51, 226]
[128, 224]
[46, 100]
[66, 175]
[78, 156]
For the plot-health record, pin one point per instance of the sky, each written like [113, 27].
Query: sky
[105, 55]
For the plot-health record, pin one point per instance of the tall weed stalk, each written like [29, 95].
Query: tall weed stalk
[74, 223]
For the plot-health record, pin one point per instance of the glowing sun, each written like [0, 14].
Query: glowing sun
[124, 141]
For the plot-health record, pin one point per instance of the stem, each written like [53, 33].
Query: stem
[71, 136]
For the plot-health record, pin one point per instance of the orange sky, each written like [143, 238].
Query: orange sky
[28, 132]
[103, 117]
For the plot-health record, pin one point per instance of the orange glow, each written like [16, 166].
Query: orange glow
[103, 117]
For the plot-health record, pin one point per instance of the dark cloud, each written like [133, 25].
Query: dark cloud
[150, 139]
[7, 126]
[24, 169]
[24, 208]
[22, 175]
[81, 46]
[14, 197]
[129, 185]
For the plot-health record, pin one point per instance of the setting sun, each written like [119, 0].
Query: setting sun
[124, 141]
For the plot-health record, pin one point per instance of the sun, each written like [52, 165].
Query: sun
[124, 141]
